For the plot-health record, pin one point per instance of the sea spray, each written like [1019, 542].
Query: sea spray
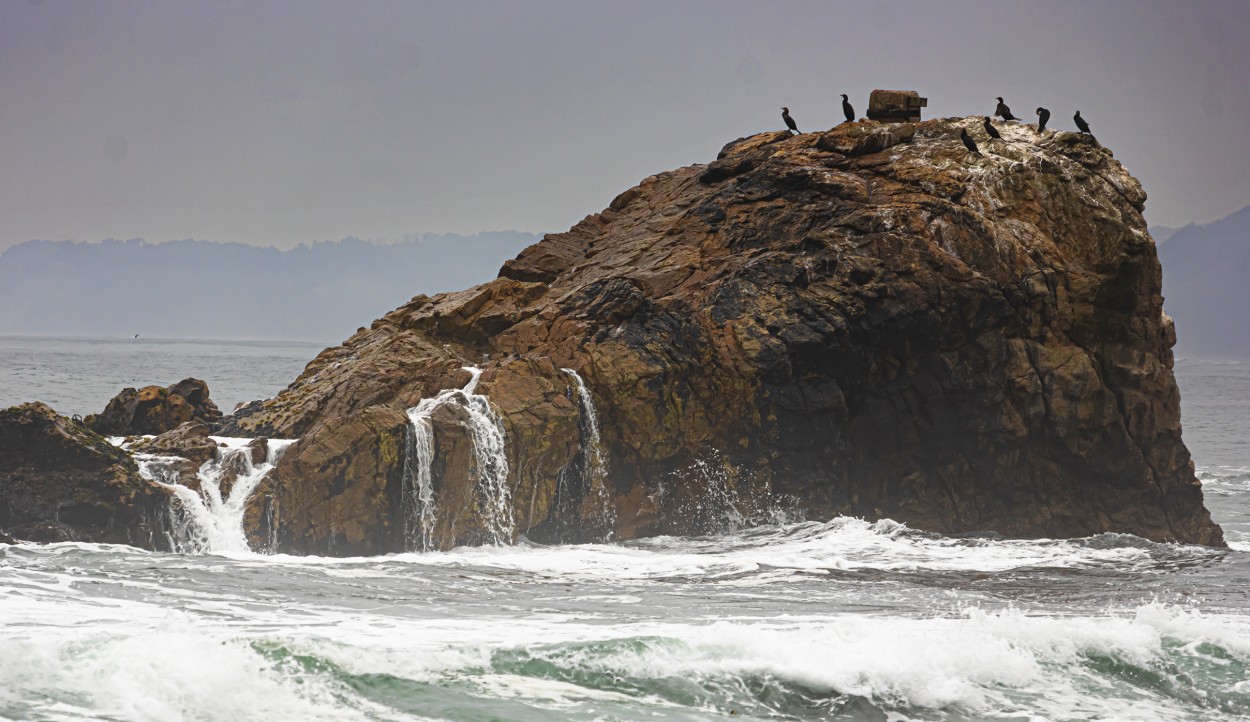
[210, 519]
[716, 508]
[493, 499]
[710, 495]
[595, 468]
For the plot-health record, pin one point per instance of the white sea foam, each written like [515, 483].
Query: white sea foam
[102, 632]
[174, 673]
[981, 663]
[210, 520]
[841, 544]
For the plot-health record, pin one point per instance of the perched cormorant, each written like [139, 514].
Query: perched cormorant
[989, 128]
[1080, 123]
[1043, 115]
[969, 143]
[847, 110]
[785, 115]
[1003, 111]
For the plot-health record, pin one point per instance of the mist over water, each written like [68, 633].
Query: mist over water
[837, 620]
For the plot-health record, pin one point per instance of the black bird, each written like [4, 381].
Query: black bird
[785, 115]
[1080, 123]
[989, 128]
[1003, 111]
[847, 110]
[969, 143]
[1043, 115]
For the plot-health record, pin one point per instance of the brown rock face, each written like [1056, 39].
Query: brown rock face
[869, 321]
[356, 510]
[155, 410]
[189, 440]
[59, 481]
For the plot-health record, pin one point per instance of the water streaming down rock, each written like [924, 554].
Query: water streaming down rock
[595, 469]
[210, 519]
[493, 500]
[419, 510]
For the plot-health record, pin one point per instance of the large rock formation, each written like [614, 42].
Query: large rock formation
[155, 409]
[868, 321]
[60, 481]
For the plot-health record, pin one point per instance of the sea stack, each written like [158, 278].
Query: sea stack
[867, 321]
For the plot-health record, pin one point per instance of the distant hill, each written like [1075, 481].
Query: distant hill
[1161, 234]
[201, 289]
[1205, 286]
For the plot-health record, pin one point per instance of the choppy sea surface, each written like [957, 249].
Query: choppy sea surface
[79, 376]
[840, 620]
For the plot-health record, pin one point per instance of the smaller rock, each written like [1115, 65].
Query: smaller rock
[60, 481]
[259, 450]
[195, 392]
[190, 441]
[865, 138]
[155, 409]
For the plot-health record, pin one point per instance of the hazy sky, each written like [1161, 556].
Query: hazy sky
[285, 122]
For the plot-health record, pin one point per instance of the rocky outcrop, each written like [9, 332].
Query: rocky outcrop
[190, 440]
[190, 443]
[868, 321]
[60, 481]
[155, 409]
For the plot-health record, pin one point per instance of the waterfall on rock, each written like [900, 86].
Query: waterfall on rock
[493, 499]
[418, 491]
[595, 469]
[210, 519]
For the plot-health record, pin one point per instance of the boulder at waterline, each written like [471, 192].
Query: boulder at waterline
[60, 481]
[155, 409]
[867, 321]
[189, 440]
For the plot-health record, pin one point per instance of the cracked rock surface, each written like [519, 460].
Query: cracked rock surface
[867, 321]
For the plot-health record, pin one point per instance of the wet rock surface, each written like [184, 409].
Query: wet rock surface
[60, 481]
[868, 321]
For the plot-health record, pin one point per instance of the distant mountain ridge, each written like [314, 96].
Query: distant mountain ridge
[1205, 289]
[1161, 234]
[204, 289]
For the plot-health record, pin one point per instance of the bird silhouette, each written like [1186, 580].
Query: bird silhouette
[785, 115]
[847, 110]
[989, 128]
[1003, 111]
[1080, 123]
[1043, 115]
[969, 143]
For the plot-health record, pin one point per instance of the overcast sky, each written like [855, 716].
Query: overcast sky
[287, 122]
